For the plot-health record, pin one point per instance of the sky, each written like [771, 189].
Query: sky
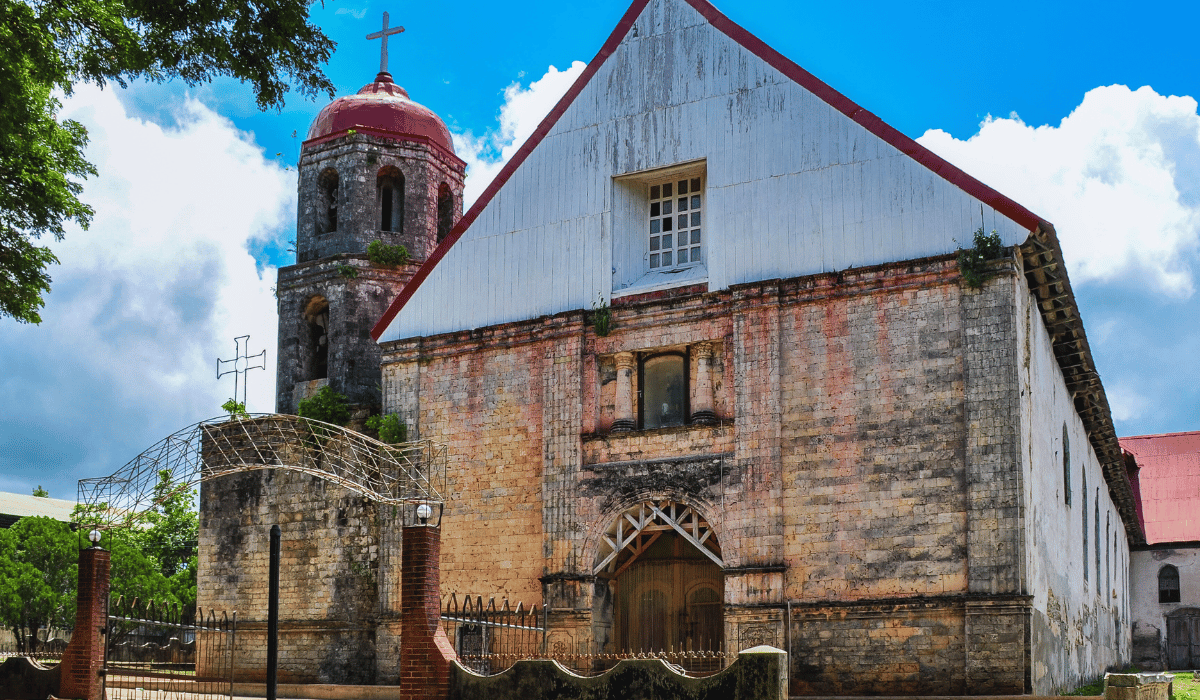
[1084, 113]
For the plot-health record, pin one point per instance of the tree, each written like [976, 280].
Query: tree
[41, 492]
[38, 570]
[47, 46]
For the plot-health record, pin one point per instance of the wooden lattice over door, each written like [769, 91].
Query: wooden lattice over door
[638, 528]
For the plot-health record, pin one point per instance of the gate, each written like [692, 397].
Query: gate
[153, 647]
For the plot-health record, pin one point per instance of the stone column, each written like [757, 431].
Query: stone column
[425, 652]
[624, 419]
[84, 656]
[702, 396]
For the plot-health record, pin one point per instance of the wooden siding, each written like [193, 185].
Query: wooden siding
[794, 186]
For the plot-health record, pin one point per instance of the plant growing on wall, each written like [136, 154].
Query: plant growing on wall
[326, 405]
[348, 271]
[391, 429]
[235, 409]
[381, 253]
[972, 262]
[601, 317]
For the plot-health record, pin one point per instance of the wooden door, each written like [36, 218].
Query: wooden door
[1183, 639]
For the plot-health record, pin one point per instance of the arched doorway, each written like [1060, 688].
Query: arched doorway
[664, 568]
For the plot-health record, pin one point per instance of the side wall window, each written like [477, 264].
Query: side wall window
[327, 213]
[390, 189]
[1086, 566]
[445, 211]
[1066, 465]
[663, 390]
[1168, 584]
[1096, 505]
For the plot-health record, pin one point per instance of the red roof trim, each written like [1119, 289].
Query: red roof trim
[394, 135]
[807, 80]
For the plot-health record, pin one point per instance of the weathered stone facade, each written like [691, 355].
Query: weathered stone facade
[866, 465]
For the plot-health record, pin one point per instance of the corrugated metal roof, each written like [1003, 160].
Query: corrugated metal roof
[18, 505]
[1169, 484]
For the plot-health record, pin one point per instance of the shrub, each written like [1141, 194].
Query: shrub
[326, 405]
[972, 262]
[381, 253]
[391, 429]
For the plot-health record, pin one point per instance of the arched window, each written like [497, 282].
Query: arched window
[445, 211]
[662, 391]
[390, 194]
[316, 347]
[1066, 465]
[1168, 584]
[327, 212]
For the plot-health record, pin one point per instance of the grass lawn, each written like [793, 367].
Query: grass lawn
[1186, 687]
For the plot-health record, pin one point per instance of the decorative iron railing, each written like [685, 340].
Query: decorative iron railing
[161, 648]
[490, 638]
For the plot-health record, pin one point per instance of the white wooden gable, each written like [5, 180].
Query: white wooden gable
[799, 181]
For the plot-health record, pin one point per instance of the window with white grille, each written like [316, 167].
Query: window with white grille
[676, 221]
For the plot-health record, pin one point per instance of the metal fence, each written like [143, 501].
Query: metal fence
[490, 638]
[163, 650]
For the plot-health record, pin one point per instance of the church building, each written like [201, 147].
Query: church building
[710, 375]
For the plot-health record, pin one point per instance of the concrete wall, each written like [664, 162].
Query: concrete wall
[1080, 624]
[1149, 615]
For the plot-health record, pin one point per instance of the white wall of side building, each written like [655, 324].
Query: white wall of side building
[1080, 623]
[1149, 615]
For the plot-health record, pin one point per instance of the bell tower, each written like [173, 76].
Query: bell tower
[375, 166]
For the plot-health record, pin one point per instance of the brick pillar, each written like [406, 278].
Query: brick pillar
[84, 656]
[425, 652]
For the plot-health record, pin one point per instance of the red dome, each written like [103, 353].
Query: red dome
[385, 106]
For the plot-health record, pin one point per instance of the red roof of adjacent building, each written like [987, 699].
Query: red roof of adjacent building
[1168, 482]
[381, 107]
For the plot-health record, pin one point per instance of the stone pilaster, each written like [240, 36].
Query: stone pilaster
[623, 413]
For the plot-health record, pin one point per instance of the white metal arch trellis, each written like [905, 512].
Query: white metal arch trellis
[394, 474]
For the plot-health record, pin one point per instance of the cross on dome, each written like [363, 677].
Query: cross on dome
[384, 34]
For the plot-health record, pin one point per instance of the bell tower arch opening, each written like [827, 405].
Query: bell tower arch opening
[315, 359]
[390, 189]
[663, 565]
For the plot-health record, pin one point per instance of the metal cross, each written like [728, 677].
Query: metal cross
[384, 34]
[241, 365]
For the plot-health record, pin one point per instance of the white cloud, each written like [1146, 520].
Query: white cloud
[522, 111]
[356, 14]
[1119, 178]
[146, 300]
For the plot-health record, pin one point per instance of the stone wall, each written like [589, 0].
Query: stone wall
[331, 571]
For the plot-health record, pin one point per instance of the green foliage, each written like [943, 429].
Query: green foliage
[235, 409]
[972, 262]
[391, 429]
[381, 253]
[38, 571]
[348, 271]
[41, 492]
[326, 405]
[48, 47]
[601, 317]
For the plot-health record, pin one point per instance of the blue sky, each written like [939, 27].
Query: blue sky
[1085, 113]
